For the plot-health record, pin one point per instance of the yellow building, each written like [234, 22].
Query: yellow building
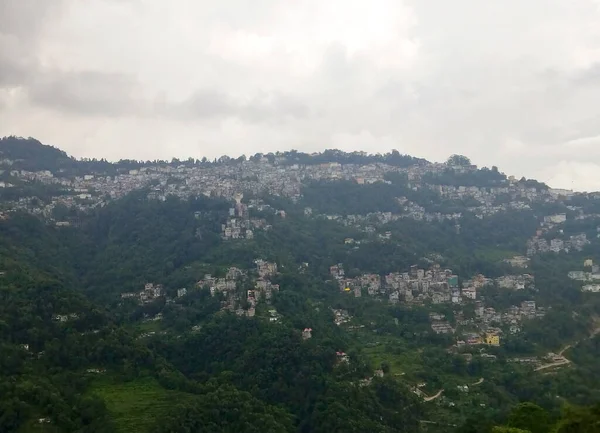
[492, 339]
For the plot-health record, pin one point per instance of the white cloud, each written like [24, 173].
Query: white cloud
[574, 175]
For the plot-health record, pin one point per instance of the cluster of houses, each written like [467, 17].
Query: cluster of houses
[540, 244]
[367, 222]
[439, 324]
[415, 286]
[488, 325]
[228, 287]
[239, 224]
[491, 338]
[150, 293]
[232, 289]
[489, 335]
[341, 316]
[417, 212]
[484, 333]
[518, 261]
[237, 229]
[590, 276]
[537, 244]
[65, 317]
[263, 286]
[437, 285]
[514, 315]
[219, 285]
[488, 195]
[516, 282]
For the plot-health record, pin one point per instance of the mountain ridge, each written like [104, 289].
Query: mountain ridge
[9, 147]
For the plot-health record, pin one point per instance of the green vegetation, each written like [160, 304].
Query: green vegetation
[135, 405]
[529, 418]
[77, 356]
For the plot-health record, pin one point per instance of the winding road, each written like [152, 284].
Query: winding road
[566, 361]
[439, 393]
[433, 397]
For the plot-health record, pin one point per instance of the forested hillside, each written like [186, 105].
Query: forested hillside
[289, 292]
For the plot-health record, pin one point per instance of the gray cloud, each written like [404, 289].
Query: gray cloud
[500, 82]
[203, 104]
[213, 104]
[589, 76]
[12, 71]
[22, 23]
[17, 64]
[86, 93]
[26, 18]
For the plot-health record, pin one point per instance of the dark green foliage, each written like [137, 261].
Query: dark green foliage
[532, 183]
[225, 410]
[503, 231]
[191, 310]
[480, 178]
[555, 328]
[382, 407]
[140, 240]
[270, 361]
[459, 160]
[350, 198]
[31, 155]
[579, 420]
[530, 417]
[509, 430]
[337, 156]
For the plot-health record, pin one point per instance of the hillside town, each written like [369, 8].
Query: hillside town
[241, 291]
[395, 314]
[435, 286]
[280, 178]
[234, 180]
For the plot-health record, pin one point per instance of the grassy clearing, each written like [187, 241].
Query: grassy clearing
[148, 326]
[135, 405]
[403, 362]
[494, 255]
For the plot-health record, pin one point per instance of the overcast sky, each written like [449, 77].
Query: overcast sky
[512, 83]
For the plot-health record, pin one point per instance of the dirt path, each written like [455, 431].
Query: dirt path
[567, 347]
[437, 423]
[554, 364]
[433, 397]
[566, 361]
[440, 392]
